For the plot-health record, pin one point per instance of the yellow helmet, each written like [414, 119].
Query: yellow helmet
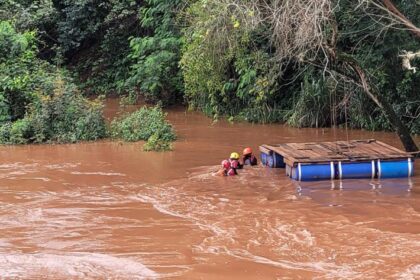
[234, 156]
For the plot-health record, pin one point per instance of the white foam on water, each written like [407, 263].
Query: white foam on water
[14, 170]
[268, 238]
[5, 244]
[16, 165]
[33, 178]
[165, 210]
[411, 273]
[290, 233]
[330, 270]
[74, 265]
[63, 165]
[227, 237]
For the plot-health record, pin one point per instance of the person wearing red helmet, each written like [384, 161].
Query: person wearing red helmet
[248, 157]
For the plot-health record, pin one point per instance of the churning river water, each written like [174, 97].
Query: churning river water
[107, 210]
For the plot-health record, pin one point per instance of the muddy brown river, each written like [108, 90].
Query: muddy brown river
[107, 210]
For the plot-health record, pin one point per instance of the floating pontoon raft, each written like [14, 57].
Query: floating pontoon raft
[338, 160]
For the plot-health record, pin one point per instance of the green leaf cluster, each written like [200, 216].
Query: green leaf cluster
[155, 55]
[227, 65]
[38, 103]
[312, 109]
[146, 124]
[208, 54]
[21, 73]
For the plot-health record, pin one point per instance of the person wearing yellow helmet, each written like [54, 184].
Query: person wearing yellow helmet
[234, 163]
[234, 155]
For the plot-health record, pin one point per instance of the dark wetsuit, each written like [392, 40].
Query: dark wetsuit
[249, 160]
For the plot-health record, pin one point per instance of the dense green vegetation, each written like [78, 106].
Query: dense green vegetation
[378, 54]
[147, 124]
[231, 68]
[155, 56]
[260, 61]
[38, 104]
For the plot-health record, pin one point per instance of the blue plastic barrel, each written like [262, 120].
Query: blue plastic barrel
[263, 158]
[313, 172]
[395, 168]
[356, 170]
[274, 160]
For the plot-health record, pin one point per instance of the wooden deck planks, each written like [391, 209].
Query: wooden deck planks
[265, 150]
[355, 150]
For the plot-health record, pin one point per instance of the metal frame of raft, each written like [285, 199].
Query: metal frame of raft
[338, 160]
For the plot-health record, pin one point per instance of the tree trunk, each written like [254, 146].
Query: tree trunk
[402, 18]
[400, 128]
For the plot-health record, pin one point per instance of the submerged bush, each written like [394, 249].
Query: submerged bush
[156, 143]
[147, 124]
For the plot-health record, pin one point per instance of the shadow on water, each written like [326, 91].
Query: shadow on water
[338, 193]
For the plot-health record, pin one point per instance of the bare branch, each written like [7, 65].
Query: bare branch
[392, 16]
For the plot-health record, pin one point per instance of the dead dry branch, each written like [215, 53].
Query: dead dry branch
[407, 57]
[389, 15]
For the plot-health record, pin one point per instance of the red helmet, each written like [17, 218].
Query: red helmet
[226, 164]
[247, 151]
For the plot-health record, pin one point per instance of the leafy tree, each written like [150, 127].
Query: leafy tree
[38, 103]
[156, 54]
[335, 37]
[37, 15]
[20, 72]
[90, 37]
[379, 54]
[227, 64]
[307, 63]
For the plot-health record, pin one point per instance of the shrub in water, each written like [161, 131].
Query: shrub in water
[147, 124]
[155, 143]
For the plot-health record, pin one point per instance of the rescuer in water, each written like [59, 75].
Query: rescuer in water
[227, 169]
[230, 166]
[248, 158]
[234, 162]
